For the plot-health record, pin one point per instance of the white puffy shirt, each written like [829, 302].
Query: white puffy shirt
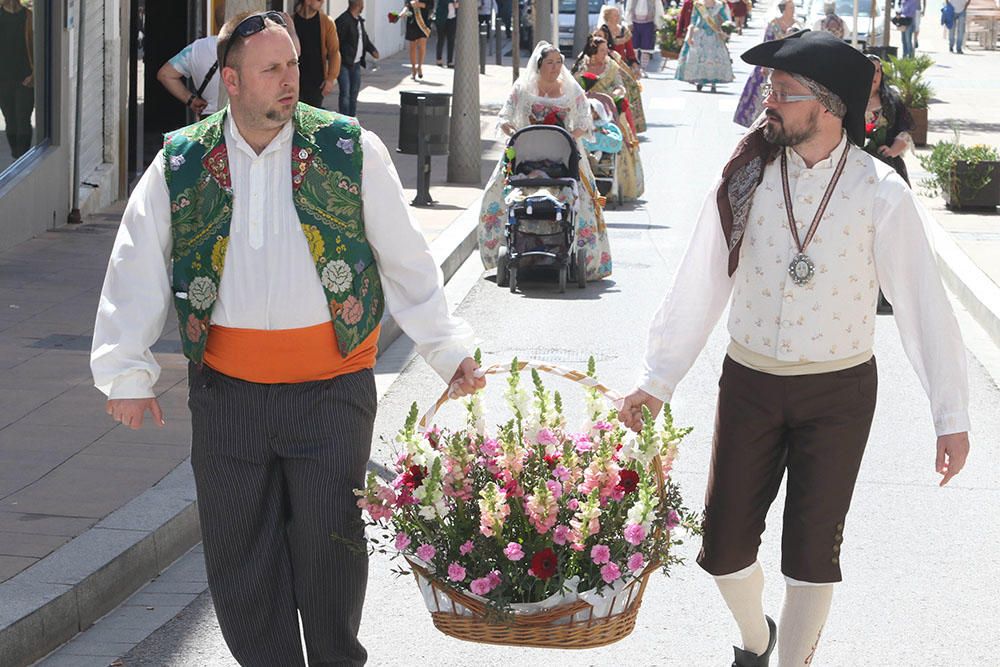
[270, 279]
[873, 234]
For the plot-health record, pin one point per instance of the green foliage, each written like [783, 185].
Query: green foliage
[907, 76]
[666, 36]
[941, 161]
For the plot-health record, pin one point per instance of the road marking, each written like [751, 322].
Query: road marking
[667, 103]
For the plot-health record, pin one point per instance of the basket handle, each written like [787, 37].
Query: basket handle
[573, 375]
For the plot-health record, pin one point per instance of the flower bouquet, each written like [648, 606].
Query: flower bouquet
[395, 16]
[666, 36]
[534, 534]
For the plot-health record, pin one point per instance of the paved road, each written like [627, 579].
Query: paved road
[919, 583]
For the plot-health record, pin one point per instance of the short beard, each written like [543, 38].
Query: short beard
[778, 135]
[278, 116]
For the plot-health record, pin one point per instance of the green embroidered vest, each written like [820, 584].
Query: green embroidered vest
[326, 184]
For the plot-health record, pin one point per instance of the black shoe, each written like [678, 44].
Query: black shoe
[747, 659]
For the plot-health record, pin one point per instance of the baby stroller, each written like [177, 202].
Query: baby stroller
[543, 178]
[605, 167]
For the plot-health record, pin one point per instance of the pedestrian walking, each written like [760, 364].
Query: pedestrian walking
[546, 94]
[319, 60]
[799, 380]
[485, 10]
[619, 37]
[738, 10]
[921, 10]
[956, 30]
[704, 58]
[17, 75]
[418, 29]
[279, 298]
[751, 101]
[354, 45]
[905, 21]
[446, 19]
[644, 17]
[830, 22]
[505, 9]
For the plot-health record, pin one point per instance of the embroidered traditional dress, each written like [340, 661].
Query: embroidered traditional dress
[631, 180]
[751, 102]
[570, 111]
[706, 60]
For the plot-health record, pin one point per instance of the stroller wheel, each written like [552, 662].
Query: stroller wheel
[512, 278]
[563, 273]
[581, 269]
[503, 267]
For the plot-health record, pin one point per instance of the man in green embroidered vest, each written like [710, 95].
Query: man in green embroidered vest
[279, 232]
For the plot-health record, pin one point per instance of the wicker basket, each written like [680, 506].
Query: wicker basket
[569, 626]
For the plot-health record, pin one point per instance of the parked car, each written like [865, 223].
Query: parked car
[845, 10]
[567, 20]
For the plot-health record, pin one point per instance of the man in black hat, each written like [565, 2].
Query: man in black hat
[797, 237]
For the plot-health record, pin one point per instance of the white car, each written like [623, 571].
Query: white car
[567, 21]
[845, 10]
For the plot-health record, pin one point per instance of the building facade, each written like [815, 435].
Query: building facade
[46, 149]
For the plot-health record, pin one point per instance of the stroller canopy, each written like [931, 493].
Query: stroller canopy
[537, 143]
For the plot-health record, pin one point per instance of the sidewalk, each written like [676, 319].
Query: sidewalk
[90, 511]
[966, 98]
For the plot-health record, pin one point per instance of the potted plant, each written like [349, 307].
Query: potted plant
[907, 76]
[666, 36]
[966, 176]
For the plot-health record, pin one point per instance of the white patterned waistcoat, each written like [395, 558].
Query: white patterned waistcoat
[833, 316]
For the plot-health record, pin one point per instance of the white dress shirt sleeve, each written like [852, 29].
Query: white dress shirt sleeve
[411, 279]
[907, 272]
[136, 295]
[692, 307]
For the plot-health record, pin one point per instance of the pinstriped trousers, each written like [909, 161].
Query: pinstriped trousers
[275, 466]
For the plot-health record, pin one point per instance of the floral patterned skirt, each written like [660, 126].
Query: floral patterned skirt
[706, 60]
[591, 234]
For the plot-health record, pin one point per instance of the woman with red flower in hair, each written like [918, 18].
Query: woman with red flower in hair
[887, 123]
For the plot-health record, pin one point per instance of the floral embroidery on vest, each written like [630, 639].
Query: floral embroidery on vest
[327, 197]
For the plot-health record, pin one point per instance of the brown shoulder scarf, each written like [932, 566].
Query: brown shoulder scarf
[740, 178]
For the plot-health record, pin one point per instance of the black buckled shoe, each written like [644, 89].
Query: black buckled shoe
[747, 659]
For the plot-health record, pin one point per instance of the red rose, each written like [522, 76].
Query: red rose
[628, 481]
[544, 563]
[393, 17]
[869, 128]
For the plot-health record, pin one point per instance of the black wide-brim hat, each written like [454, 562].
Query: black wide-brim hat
[829, 61]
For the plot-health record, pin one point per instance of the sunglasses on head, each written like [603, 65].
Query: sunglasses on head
[251, 25]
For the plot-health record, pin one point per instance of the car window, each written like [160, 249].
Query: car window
[569, 6]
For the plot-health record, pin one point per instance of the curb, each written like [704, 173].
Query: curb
[71, 588]
[974, 289]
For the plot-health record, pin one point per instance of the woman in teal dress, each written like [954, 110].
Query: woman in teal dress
[705, 58]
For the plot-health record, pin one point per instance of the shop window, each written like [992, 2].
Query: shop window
[24, 52]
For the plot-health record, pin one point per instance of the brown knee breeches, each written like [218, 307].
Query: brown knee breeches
[816, 427]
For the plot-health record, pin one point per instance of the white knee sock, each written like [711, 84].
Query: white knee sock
[743, 592]
[802, 619]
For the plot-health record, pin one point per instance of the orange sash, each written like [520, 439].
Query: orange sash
[285, 355]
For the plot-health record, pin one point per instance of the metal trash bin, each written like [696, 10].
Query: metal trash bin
[424, 121]
[436, 118]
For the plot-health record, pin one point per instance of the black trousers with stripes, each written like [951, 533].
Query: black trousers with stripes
[275, 467]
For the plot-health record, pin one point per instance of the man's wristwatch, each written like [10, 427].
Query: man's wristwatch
[190, 100]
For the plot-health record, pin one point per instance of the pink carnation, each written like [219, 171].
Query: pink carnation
[513, 551]
[673, 520]
[561, 473]
[547, 437]
[603, 426]
[466, 548]
[490, 447]
[573, 504]
[494, 578]
[600, 554]
[561, 534]
[425, 552]
[456, 572]
[634, 533]
[402, 541]
[555, 488]
[480, 586]
[636, 562]
[610, 573]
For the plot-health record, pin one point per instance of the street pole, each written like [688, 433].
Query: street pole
[886, 26]
[543, 21]
[464, 148]
[515, 40]
[582, 26]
